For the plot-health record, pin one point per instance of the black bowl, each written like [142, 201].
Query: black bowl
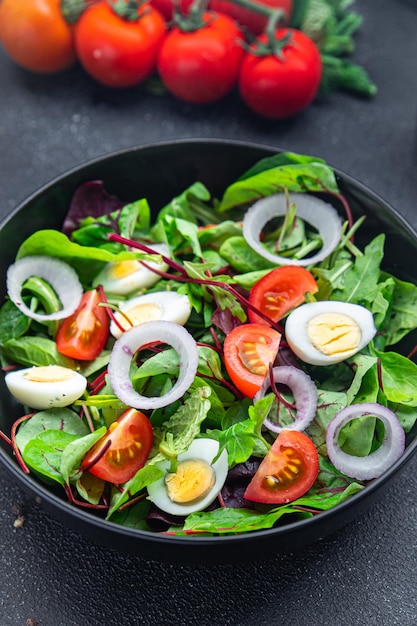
[159, 172]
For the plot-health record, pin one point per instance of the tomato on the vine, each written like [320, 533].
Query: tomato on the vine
[36, 36]
[119, 48]
[280, 291]
[249, 18]
[201, 66]
[287, 472]
[123, 450]
[83, 335]
[249, 350]
[283, 80]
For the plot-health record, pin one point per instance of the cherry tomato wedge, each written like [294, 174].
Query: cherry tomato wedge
[287, 472]
[249, 349]
[280, 291]
[83, 334]
[126, 447]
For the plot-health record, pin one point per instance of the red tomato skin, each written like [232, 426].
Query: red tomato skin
[133, 431]
[247, 381]
[280, 291]
[36, 36]
[83, 335]
[253, 21]
[201, 67]
[115, 52]
[290, 450]
[281, 88]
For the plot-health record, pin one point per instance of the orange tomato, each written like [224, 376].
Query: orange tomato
[36, 36]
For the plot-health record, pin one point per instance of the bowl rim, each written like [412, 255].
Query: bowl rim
[39, 490]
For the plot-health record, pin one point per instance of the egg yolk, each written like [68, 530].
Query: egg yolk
[140, 313]
[122, 269]
[49, 374]
[192, 481]
[334, 333]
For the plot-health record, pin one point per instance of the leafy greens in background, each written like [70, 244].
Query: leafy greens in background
[331, 25]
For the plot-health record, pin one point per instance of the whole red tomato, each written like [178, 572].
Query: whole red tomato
[119, 52]
[202, 66]
[252, 20]
[282, 84]
[36, 36]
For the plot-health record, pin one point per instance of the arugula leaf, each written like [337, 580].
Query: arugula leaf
[402, 315]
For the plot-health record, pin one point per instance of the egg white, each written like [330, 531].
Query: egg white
[140, 277]
[205, 449]
[300, 343]
[46, 387]
[169, 306]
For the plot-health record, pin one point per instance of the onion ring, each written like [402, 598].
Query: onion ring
[61, 276]
[137, 337]
[322, 215]
[375, 464]
[305, 396]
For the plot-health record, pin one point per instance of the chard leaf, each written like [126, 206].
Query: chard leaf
[312, 176]
[90, 487]
[51, 419]
[13, 323]
[242, 257]
[399, 378]
[43, 454]
[133, 516]
[76, 451]
[214, 236]
[227, 521]
[35, 350]
[86, 260]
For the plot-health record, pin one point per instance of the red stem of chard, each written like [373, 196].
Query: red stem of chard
[184, 278]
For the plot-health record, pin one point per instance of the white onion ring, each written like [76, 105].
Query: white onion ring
[135, 338]
[375, 464]
[61, 276]
[305, 396]
[320, 214]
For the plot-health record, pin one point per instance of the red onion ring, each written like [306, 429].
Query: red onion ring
[375, 464]
[61, 276]
[135, 338]
[322, 215]
[305, 396]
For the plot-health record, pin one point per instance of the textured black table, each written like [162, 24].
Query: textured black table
[366, 573]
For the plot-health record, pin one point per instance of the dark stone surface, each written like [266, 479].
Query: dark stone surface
[366, 573]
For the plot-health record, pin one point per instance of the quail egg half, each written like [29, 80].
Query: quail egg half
[46, 387]
[326, 332]
[158, 305]
[196, 483]
[123, 277]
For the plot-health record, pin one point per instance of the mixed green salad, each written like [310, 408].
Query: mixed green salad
[212, 366]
